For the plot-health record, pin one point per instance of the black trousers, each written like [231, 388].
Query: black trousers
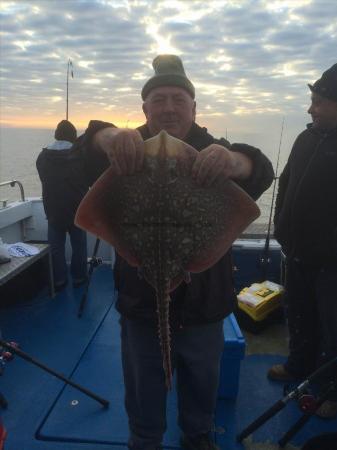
[311, 311]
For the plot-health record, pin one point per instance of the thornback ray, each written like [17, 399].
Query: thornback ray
[162, 221]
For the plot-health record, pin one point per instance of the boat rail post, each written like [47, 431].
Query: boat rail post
[12, 183]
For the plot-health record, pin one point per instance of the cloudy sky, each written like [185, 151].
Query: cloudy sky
[250, 60]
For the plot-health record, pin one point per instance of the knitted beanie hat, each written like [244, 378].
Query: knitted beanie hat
[168, 71]
[65, 131]
[326, 86]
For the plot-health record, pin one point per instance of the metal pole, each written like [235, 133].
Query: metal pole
[67, 87]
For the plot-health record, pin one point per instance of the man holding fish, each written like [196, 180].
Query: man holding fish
[200, 302]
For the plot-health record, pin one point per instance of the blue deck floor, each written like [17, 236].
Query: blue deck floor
[43, 414]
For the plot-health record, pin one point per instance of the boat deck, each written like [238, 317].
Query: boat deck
[44, 414]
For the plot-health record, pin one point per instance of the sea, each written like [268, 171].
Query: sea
[19, 149]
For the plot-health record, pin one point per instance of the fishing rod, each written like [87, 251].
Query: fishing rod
[94, 262]
[265, 260]
[15, 350]
[308, 404]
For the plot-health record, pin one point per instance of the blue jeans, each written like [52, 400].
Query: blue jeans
[196, 355]
[78, 266]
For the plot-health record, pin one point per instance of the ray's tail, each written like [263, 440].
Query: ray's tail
[163, 302]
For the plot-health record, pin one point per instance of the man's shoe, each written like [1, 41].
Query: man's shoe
[199, 442]
[327, 410]
[279, 373]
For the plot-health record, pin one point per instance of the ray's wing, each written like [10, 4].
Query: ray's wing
[197, 224]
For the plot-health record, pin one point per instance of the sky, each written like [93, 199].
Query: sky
[249, 60]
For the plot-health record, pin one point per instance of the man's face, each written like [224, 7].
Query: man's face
[323, 112]
[171, 109]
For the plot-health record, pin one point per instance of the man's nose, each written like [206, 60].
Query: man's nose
[169, 105]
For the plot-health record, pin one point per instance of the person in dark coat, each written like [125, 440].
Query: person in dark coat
[197, 309]
[306, 227]
[326, 441]
[63, 187]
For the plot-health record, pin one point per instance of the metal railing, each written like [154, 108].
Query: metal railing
[12, 183]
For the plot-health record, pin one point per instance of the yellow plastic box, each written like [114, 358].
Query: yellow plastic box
[260, 299]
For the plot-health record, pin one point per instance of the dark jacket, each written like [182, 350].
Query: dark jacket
[306, 204]
[63, 184]
[210, 296]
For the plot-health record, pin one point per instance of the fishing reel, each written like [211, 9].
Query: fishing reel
[308, 399]
[6, 356]
[94, 261]
[308, 403]
[318, 382]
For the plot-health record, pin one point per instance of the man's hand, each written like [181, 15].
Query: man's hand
[216, 161]
[123, 146]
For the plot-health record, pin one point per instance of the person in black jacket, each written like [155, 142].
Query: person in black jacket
[197, 309]
[63, 187]
[326, 441]
[306, 227]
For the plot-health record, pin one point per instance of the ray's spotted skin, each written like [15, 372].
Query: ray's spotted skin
[161, 221]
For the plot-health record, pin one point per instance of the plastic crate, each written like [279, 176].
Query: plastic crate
[233, 354]
[260, 299]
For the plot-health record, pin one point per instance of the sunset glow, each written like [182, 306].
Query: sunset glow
[245, 76]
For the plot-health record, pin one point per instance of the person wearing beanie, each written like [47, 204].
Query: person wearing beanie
[306, 227]
[197, 309]
[63, 187]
